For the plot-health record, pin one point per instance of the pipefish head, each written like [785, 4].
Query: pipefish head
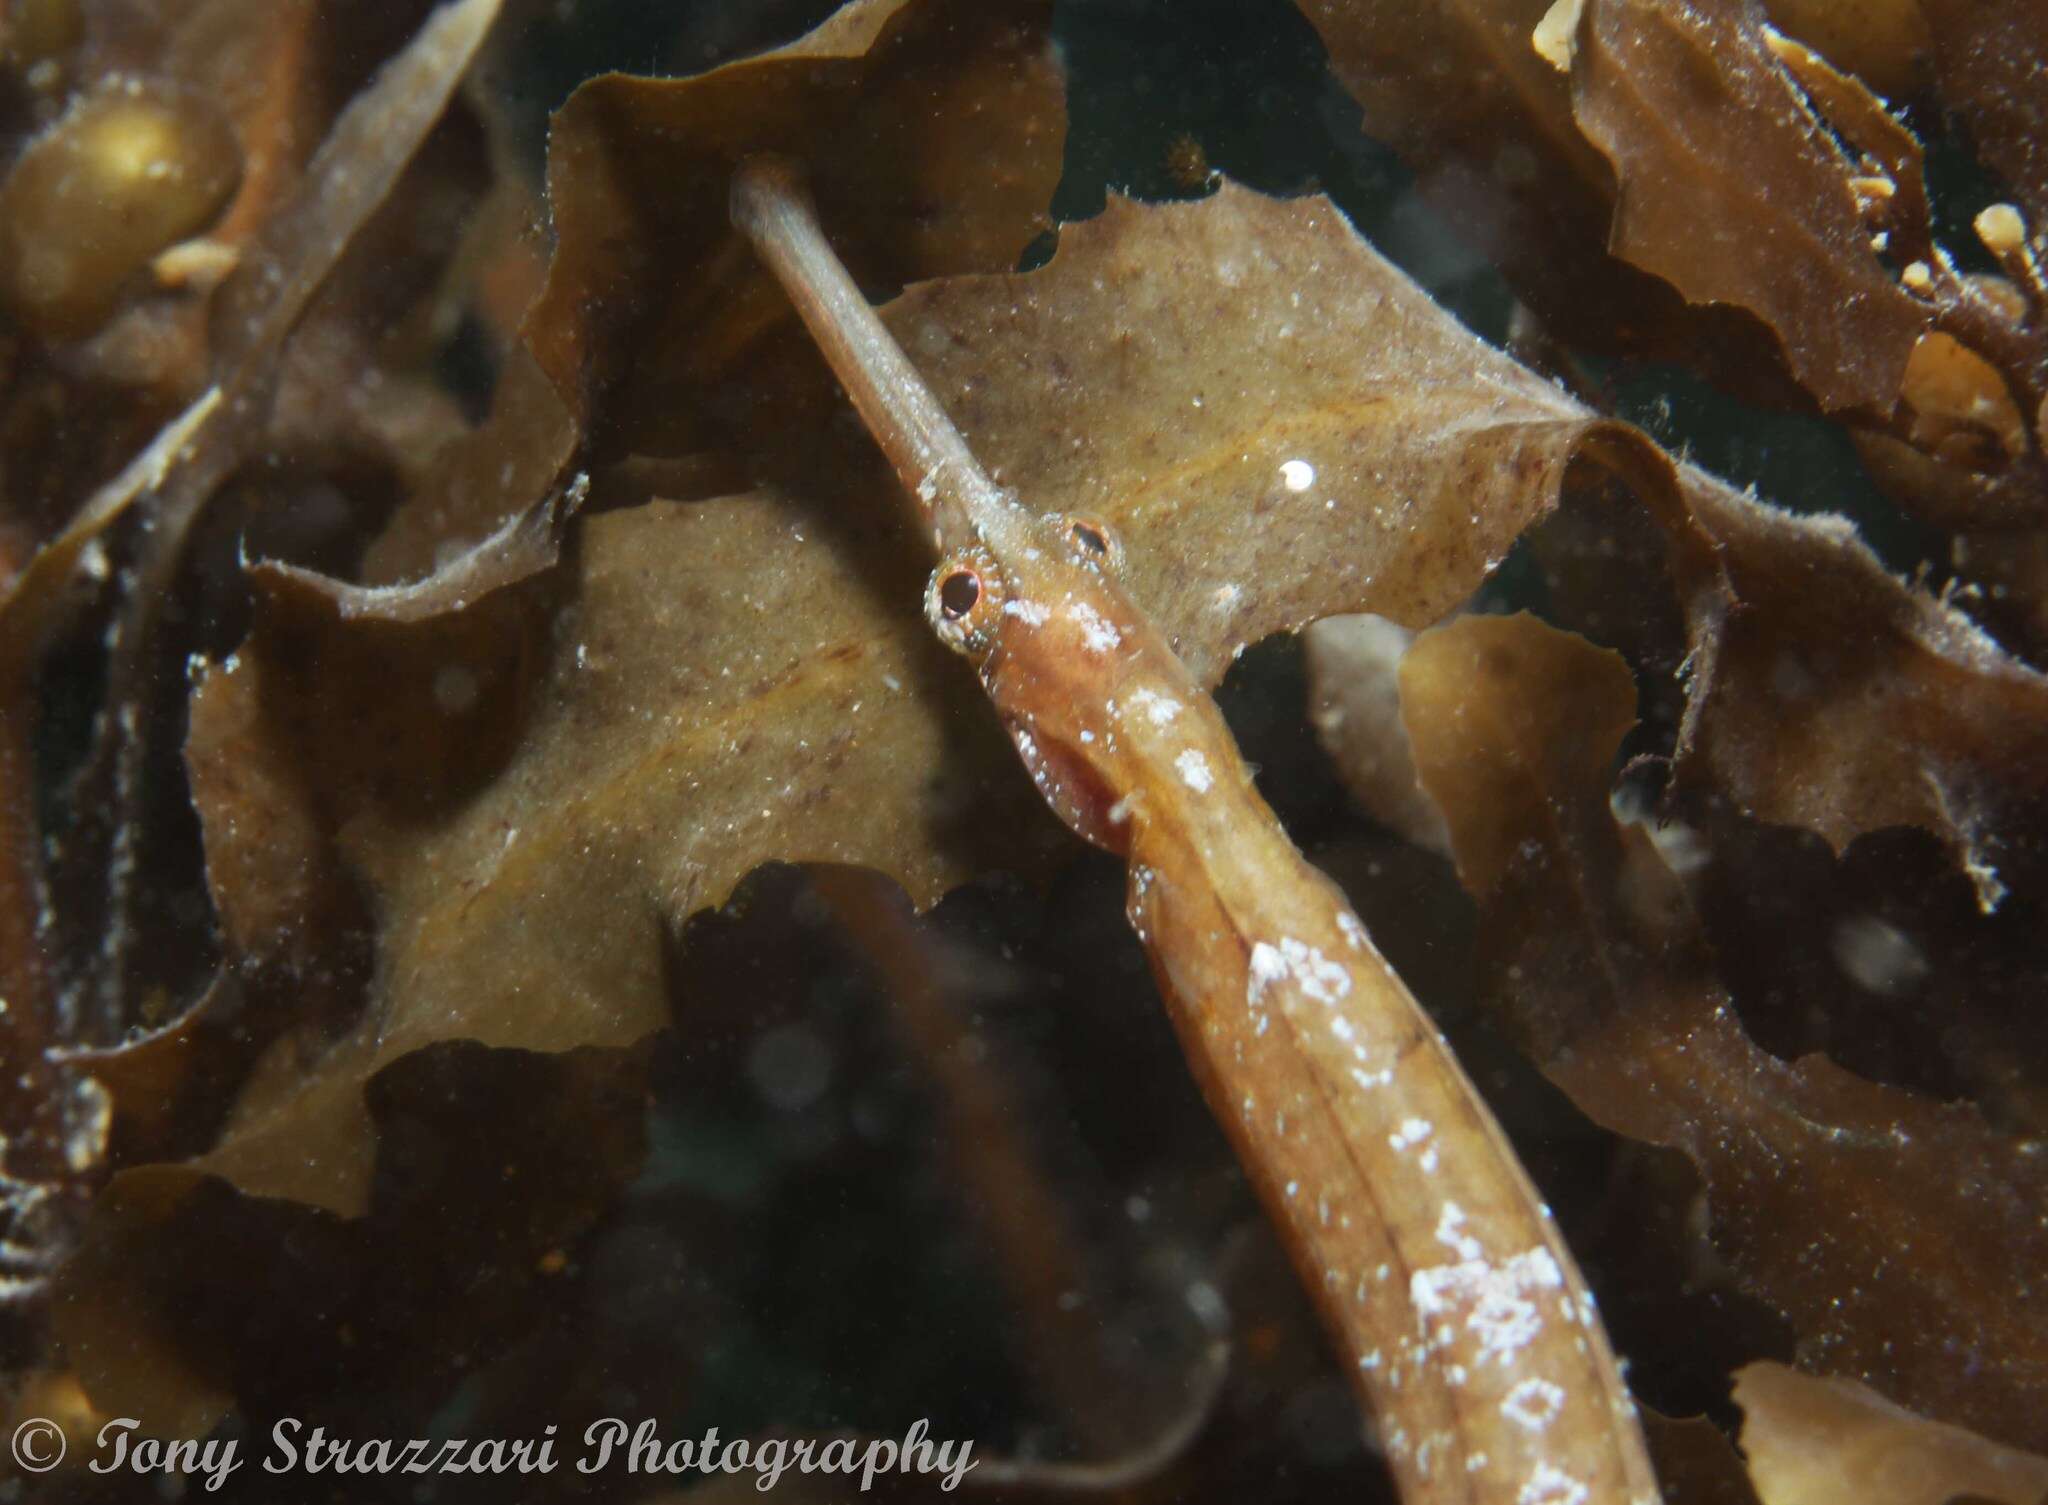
[1038, 609]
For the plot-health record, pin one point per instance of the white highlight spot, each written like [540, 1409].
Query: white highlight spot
[1194, 771]
[1534, 1404]
[1298, 475]
[1412, 1132]
[1207, 1303]
[1881, 958]
[1031, 613]
[790, 1067]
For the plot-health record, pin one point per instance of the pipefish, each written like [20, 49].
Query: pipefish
[1442, 1278]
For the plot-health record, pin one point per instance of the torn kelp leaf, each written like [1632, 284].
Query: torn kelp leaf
[1240, 387]
[1486, 124]
[558, 768]
[648, 275]
[1783, 237]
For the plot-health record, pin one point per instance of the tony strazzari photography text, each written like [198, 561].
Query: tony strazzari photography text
[610, 1443]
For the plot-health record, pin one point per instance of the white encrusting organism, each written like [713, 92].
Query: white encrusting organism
[1533, 1404]
[1314, 973]
[1096, 630]
[1449, 1223]
[1496, 1302]
[1159, 709]
[1266, 966]
[1194, 771]
[1550, 1485]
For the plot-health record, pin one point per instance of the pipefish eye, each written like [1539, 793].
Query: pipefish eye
[1090, 541]
[958, 593]
[964, 603]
